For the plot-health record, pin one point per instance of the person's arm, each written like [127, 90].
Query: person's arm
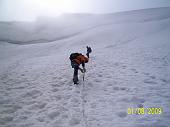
[83, 64]
[83, 70]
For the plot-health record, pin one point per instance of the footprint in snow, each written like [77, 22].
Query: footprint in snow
[32, 94]
[109, 76]
[67, 97]
[52, 115]
[93, 105]
[122, 114]
[165, 81]
[148, 81]
[134, 70]
[38, 105]
[56, 97]
[40, 119]
[75, 102]
[124, 88]
[54, 78]
[116, 64]
[99, 75]
[27, 125]
[124, 67]
[90, 84]
[137, 100]
[116, 88]
[19, 87]
[56, 84]
[10, 109]
[58, 123]
[64, 116]
[120, 88]
[74, 121]
[6, 119]
[152, 77]
[97, 80]
[140, 105]
[5, 101]
[145, 73]
[55, 90]
[22, 75]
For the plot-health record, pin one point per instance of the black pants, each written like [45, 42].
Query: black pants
[76, 71]
[75, 75]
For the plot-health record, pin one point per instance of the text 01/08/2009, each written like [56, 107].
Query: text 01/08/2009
[142, 111]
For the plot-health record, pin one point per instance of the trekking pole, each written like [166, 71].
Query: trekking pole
[83, 76]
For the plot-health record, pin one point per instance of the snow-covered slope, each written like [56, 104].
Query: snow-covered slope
[68, 25]
[129, 67]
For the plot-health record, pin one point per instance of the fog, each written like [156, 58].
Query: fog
[14, 10]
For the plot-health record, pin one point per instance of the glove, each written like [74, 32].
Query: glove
[82, 70]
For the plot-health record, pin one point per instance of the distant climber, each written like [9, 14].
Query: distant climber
[77, 59]
[89, 50]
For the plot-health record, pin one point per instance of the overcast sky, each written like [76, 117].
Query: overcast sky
[12, 10]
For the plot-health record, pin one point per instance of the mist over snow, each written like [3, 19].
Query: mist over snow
[46, 29]
[129, 67]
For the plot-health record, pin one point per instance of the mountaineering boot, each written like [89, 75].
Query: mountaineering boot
[75, 80]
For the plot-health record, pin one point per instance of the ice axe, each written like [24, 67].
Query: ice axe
[83, 76]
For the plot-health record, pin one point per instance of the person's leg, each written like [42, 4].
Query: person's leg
[75, 76]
